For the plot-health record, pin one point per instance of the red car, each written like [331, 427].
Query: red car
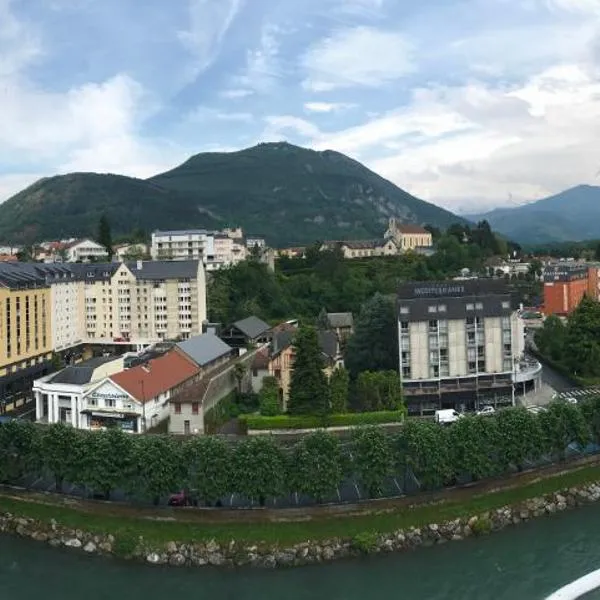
[183, 498]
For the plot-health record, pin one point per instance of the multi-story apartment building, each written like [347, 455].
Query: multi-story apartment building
[461, 344]
[143, 302]
[25, 329]
[215, 248]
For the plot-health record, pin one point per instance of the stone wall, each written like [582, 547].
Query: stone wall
[309, 552]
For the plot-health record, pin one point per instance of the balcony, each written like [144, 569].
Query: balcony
[527, 370]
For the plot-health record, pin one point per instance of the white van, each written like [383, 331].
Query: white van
[447, 416]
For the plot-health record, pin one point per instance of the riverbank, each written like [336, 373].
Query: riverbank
[290, 538]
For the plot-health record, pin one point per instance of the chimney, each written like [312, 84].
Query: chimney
[139, 265]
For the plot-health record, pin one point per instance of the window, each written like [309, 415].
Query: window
[432, 309]
[404, 310]
[470, 306]
[433, 326]
[441, 308]
[507, 349]
[194, 408]
[92, 402]
[478, 305]
[472, 367]
[110, 402]
[506, 304]
[470, 321]
[177, 409]
[471, 337]
[404, 326]
[406, 372]
[186, 428]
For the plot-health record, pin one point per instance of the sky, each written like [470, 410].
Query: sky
[470, 104]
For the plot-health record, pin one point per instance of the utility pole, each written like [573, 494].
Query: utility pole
[143, 407]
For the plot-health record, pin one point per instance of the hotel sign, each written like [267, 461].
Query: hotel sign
[440, 290]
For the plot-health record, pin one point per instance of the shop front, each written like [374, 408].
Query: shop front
[128, 422]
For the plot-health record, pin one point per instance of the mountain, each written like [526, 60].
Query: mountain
[287, 193]
[572, 215]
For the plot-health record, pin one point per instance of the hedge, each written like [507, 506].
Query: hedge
[423, 454]
[262, 423]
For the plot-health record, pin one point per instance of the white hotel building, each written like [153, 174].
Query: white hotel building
[461, 345]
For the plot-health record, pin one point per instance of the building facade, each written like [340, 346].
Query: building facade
[461, 344]
[565, 284]
[407, 236]
[84, 251]
[26, 340]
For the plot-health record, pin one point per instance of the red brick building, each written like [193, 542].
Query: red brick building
[565, 284]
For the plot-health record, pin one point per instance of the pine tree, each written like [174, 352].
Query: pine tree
[309, 392]
[105, 236]
[338, 390]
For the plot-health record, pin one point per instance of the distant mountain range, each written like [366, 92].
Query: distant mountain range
[287, 193]
[572, 215]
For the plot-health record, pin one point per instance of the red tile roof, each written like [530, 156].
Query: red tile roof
[158, 375]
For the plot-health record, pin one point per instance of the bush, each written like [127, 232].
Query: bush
[365, 543]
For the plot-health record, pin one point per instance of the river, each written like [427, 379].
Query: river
[523, 563]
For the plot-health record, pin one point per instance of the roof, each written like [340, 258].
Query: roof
[252, 327]
[164, 269]
[328, 343]
[158, 375]
[261, 359]
[205, 348]
[340, 320]
[81, 373]
[178, 232]
[409, 228]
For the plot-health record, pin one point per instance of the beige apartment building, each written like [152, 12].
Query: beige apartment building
[461, 345]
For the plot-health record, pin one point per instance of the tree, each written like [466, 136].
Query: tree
[20, 453]
[423, 449]
[374, 344]
[62, 448]
[259, 469]
[582, 340]
[209, 461]
[316, 466]
[373, 460]
[104, 236]
[268, 397]
[339, 383]
[378, 391]
[562, 424]
[550, 339]
[107, 462]
[309, 392]
[159, 467]
[519, 437]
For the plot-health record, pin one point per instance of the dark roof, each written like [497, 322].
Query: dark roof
[328, 343]
[17, 275]
[205, 348]
[409, 228]
[81, 373]
[281, 340]
[252, 327]
[340, 320]
[165, 269]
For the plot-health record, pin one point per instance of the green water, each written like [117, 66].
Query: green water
[523, 563]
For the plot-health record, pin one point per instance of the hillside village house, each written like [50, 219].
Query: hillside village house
[250, 330]
[277, 358]
[137, 250]
[342, 324]
[84, 251]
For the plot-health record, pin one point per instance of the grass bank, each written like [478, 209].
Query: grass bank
[287, 528]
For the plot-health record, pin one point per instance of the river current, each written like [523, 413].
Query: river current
[527, 562]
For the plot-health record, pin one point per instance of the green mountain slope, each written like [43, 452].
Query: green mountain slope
[572, 215]
[287, 193]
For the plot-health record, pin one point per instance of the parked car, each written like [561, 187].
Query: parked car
[184, 498]
[447, 416]
[571, 400]
[486, 411]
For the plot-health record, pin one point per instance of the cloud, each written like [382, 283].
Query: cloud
[327, 107]
[208, 23]
[278, 125]
[359, 56]
[20, 44]
[236, 93]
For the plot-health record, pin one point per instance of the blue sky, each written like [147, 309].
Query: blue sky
[470, 104]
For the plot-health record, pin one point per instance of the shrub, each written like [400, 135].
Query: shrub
[365, 542]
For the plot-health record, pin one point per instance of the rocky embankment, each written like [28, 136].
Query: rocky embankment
[310, 552]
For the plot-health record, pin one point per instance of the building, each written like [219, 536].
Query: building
[250, 330]
[85, 251]
[565, 284]
[142, 302]
[277, 358]
[407, 236]
[75, 395]
[124, 252]
[342, 324]
[186, 409]
[363, 248]
[294, 252]
[26, 340]
[152, 384]
[461, 344]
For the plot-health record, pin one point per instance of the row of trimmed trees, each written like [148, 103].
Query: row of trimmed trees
[151, 467]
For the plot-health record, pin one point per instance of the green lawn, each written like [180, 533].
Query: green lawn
[127, 529]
